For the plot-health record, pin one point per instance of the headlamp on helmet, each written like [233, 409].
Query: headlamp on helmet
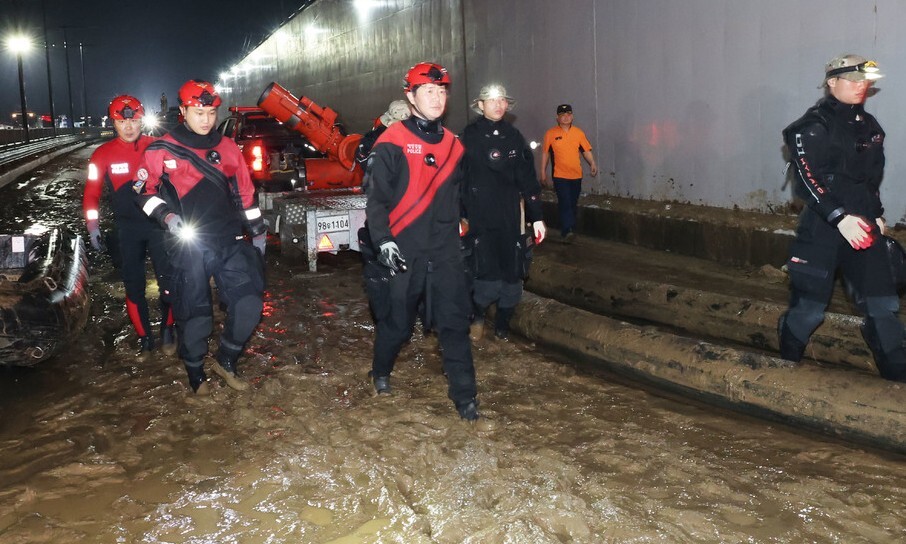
[869, 69]
[425, 72]
[125, 107]
[196, 93]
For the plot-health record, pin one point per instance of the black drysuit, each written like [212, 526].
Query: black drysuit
[838, 151]
[499, 175]
[413, 183]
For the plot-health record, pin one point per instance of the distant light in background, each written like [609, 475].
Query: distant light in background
[21, 44]
[533, 144]
[225, 76]
[365, 7]
[313, 34]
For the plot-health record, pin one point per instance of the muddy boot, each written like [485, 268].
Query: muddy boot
[791, 348]
[381, 384]
[146, 349]
[476, 329]
[502, 322]
[198, 381]
[468, 410]
[891, 365]
[168, 340]
[225, 367]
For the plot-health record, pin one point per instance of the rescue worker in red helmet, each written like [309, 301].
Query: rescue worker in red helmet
[198, 187]
[412, 181]
[112, 168]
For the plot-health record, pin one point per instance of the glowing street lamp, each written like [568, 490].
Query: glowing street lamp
[20, 44]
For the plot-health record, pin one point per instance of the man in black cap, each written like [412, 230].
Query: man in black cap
[562, 147]
[838, 151]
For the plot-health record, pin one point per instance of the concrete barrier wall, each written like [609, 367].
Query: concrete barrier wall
[682, 101]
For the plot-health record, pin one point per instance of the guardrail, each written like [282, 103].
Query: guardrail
[17, 135]
[18, 158]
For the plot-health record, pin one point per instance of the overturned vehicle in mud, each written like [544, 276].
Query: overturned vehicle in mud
[44, 300]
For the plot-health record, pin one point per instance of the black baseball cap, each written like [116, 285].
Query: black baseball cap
[564, 108]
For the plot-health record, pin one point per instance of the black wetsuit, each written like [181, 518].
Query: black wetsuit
[838, 151]
[499, 174]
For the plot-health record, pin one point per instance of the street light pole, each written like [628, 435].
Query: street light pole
[22, 95]
[53, 117]
[84, 98]
[68, 78]
[19, 45]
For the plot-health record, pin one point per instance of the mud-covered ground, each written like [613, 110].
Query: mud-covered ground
[95, 447]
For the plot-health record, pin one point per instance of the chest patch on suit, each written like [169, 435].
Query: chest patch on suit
[119, 168]
[494, 154]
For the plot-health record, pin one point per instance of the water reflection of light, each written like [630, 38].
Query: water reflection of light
[37, 229]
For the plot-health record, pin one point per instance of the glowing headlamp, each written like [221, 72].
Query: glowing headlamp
[868, 68]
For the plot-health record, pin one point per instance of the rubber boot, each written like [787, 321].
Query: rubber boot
[891, 365]
[198, 381]
[168, 340]
[502, 322]
[225, 367]
[791, 348]
[468, 410]
[476, 329]
[146, 348]
[381, 384]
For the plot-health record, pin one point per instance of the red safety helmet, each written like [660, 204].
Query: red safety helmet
[425, 72]
[196, 93]
[125, 107]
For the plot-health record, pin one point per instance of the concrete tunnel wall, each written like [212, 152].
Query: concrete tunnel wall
[682, 100]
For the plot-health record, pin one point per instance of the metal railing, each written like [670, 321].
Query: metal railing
[17, 135]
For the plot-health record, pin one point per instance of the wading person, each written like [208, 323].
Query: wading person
[198, 187]
[501, 193]
[838, 151]
[111, 171]
[563, 146]
[413, 184]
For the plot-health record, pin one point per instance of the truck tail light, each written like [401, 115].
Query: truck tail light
[258, 158]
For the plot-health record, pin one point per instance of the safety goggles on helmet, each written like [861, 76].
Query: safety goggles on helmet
[425, 72]
[125, 107]
[198, 94]
[869, 70]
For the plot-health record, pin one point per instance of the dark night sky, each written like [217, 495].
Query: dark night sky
[133, 47]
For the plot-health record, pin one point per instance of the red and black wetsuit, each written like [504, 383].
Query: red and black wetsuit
[413, 186]
[112, 168]
[204, 179]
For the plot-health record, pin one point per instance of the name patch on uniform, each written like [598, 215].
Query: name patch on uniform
[119, 168]
[414, 149]
[170, 163]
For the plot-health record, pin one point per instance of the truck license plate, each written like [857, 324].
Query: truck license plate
[333, 223]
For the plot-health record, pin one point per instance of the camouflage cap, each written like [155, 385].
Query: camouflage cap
[852, 68]
[493, 91]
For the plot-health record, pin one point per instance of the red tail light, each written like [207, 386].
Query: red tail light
[257, 158]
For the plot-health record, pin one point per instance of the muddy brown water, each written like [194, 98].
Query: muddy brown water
[95, 447]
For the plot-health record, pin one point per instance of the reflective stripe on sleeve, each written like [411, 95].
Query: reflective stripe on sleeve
[92, 172]
[252, 213]
[152, 205]
[91, 215]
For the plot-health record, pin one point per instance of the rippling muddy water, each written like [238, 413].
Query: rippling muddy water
[95, 447]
